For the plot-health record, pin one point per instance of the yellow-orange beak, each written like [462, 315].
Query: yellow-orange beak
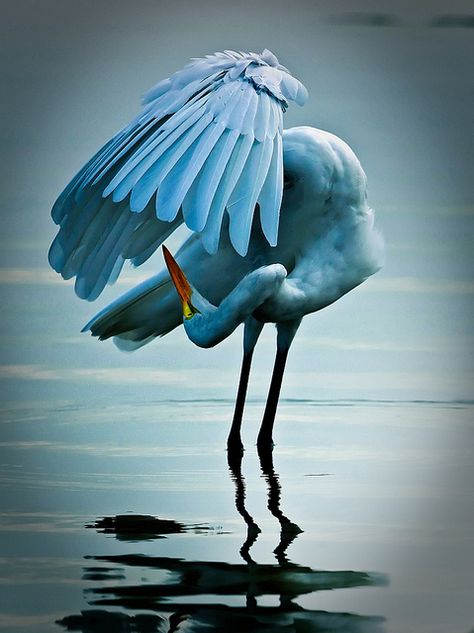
[181, 284]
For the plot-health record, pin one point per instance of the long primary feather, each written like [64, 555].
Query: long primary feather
[207, 139]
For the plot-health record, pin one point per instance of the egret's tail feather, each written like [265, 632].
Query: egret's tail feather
[151, 309]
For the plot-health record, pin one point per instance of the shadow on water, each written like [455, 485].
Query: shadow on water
[142, 527]
[199, 595]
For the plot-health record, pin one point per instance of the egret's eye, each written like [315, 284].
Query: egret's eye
[288, 181]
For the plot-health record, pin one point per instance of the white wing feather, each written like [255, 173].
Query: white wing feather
[207, 140]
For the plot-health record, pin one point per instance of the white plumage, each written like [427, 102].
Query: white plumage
[280, 219]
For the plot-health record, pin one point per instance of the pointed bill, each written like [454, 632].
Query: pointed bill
[181, 284]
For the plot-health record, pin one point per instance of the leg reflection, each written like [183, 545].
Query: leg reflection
[234, 461]
[289, 530]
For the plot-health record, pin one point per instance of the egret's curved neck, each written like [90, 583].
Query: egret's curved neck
[210, 324]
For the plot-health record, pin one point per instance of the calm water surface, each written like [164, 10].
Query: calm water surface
[358, 522]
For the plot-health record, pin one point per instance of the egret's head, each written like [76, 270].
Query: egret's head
[181, 284]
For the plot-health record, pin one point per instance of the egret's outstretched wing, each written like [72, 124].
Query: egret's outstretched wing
[207, 141]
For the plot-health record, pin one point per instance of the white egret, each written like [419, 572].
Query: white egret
[280, 220]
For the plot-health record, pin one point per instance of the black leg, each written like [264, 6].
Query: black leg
[264, 439]
[234, 441]
[252, 330]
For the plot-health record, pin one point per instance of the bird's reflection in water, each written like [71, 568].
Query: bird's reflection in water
[289, 530]
[234, 460]
[199, 595]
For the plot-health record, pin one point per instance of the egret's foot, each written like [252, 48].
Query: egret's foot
[234, 445]
[265, 444]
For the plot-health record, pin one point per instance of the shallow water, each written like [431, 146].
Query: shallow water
[358, 522]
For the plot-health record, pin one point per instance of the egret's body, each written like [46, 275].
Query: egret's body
[240, 269]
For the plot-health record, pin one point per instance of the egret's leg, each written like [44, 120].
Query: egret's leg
[264, 440]
[252, 330]
[286, 334]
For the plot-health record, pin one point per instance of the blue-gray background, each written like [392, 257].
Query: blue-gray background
[393, 79]
[400, 94]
